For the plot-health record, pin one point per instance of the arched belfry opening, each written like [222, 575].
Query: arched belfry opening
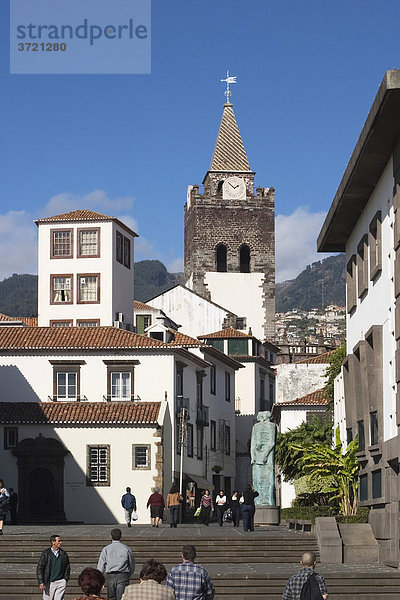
[244, 258]
[220, 258]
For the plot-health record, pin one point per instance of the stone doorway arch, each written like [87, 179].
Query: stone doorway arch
[40, 480]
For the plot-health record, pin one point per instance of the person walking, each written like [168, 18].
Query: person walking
[118, 562]
[189, 580]
[248, 507]
[91, 582]
[206, 505]
[53, 570]
[235, 508]
[150, 588]
[306, 575]
[174, 499]
[13, 506]
[220, 502]
[4, 504]
[128, 502]
[156, 503]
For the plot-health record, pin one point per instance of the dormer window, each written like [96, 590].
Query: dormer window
[61, 243]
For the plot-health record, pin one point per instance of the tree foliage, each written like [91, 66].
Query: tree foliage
[319, 430]
[335, 363]
[334, 466]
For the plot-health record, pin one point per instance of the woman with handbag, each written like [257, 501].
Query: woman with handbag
[174, 499]
[206, 505]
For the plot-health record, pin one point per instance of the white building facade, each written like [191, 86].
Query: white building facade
[364, 222]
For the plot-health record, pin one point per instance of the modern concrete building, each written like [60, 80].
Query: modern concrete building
[364, 222]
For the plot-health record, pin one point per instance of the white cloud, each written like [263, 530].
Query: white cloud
[18, 246]
[175, 265]
[97, 200]
[296, 242]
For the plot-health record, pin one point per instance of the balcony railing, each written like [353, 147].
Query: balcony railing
[110, 398]
[64, 399]
[202, 417]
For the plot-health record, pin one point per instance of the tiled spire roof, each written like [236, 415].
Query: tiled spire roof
[229, 153]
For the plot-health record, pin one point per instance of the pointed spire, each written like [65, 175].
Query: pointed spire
[229, 153]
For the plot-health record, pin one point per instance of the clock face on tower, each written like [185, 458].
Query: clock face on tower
[234, 187]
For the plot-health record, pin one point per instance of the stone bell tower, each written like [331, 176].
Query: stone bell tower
[230, 234]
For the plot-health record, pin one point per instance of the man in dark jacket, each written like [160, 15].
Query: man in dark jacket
[53, 570]
[128, 502]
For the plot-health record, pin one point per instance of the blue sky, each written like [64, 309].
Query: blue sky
[128, 145]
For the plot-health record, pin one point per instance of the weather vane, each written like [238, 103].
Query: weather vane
[228, 80]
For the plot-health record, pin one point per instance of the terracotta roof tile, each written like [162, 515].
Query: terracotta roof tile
[79, 412]
[319, 359]
[73, 338]
[181, 339]
[137, 305]
[29, 321]
[82, 215]
[230, 332]
[314, 399]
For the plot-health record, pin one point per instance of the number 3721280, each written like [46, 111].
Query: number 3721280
[42, 47]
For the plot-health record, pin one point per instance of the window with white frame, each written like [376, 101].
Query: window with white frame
[88, 242]
[61, 243]
[67, 385]
[141, 456]
[121, 385]
[88, 323]
[98, 465]
[89, 289]
[61, 289]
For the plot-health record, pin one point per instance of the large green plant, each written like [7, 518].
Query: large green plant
[289, 445]
[336, 466]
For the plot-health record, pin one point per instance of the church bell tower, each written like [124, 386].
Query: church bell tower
[230, 234]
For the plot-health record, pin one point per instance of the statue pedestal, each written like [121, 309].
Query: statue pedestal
[267, 515]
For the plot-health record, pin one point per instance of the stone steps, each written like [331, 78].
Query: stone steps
[251, 566]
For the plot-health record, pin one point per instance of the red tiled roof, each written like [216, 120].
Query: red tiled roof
[319, 359]
[314, 399]
[79, 412]
[30, 321]
[230, 332]
[82, 215]
[181, 339]
[137, 305]
[73, 338]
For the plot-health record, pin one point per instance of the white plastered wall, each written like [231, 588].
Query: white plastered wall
[242, 294]
[376, 307]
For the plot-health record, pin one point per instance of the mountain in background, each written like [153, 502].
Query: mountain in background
[319, 285]
[152, 278]
[18, 294]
